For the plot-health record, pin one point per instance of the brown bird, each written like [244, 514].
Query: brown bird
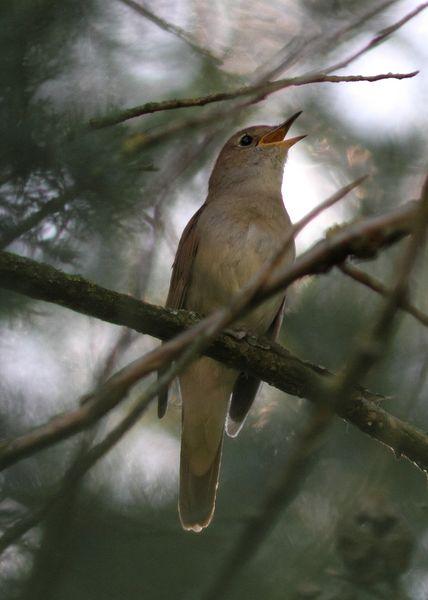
[239, 227]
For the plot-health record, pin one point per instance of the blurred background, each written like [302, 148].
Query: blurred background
[73, 197]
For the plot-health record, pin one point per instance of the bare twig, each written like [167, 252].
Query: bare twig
[13, 232]
[69, 483]
[380, 37]
[139, 141]
[377, 286]
[59, 507]
[259, 91]
[362, 239]
[79, 469]
[375, 41]
[170, 28]
[262, 90]
[361, 20]
[261, 281]
[21, 526]
[400, 290]
[315, 45]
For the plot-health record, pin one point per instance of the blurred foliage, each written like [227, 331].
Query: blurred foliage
[358, 529]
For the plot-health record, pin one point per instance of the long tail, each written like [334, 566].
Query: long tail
[198, 493]
[205, 389]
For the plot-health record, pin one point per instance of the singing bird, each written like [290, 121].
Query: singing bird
[236, 231]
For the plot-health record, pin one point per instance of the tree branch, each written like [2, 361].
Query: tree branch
[62, 502]
[268, 361]
[90, 457]
[377, 286]
[301, 47]
[42, 282]
[261, 89]
[380, 37]
[10, 234]
[170, 28]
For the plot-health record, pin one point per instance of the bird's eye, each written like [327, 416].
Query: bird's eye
[245, 140]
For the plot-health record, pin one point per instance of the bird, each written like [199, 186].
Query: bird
[240, 226]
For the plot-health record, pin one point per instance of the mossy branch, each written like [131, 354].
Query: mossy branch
[270, 362]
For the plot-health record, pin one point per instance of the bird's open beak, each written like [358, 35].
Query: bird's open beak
[276, 136]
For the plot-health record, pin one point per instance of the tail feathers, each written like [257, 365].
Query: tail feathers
[198, 493]
[233, 428]
[244, 393]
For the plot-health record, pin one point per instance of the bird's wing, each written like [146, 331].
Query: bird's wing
[180, 281]
[247, 386]
[183, 263]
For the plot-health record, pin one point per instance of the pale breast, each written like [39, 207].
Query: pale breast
[230, 252]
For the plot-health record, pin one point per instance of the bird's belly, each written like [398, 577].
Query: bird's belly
[225, 263]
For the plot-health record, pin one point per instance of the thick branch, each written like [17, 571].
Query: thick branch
[268, 361]
[43, 282]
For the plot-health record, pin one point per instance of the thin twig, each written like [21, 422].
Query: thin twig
[94, 454]
[13, 232]
[380, 37]
[61, 503]
[261, 90]
[315, 45]
[377, 286]
[72, 478]
[171, 28]
[139, 141]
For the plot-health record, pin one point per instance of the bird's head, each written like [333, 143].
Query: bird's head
[254, 157]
